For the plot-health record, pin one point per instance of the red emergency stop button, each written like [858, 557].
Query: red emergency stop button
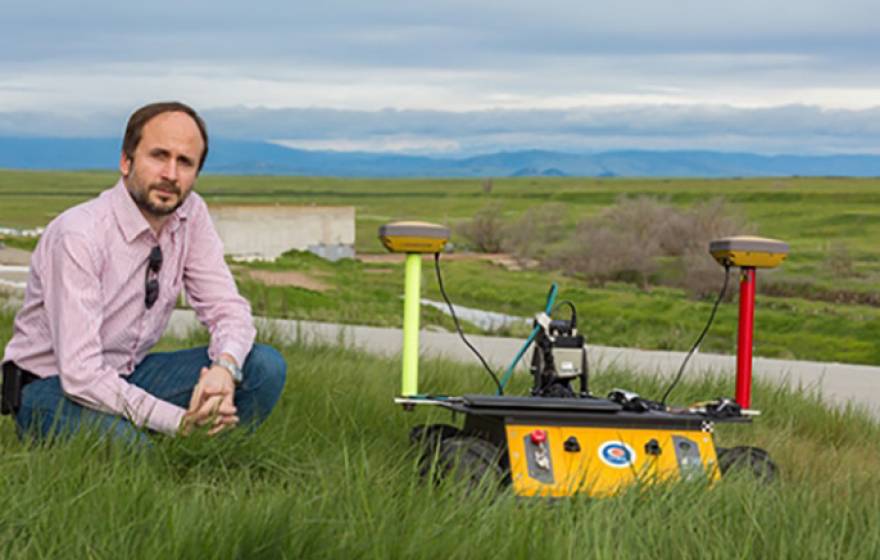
[538, 436]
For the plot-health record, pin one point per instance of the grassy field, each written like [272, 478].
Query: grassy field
[331, 475]
[618, 314]
[809, 212]
[811, 313]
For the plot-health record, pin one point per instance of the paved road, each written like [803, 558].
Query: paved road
[13, 276]
[837, 383]
[11, 256]
[13, 267]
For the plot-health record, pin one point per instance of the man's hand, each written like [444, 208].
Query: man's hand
[211, 402]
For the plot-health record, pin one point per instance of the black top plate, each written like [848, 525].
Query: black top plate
[541, 403]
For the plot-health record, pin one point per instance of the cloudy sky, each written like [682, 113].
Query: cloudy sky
[454, 77]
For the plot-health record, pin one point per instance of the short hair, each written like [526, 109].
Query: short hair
[135, 128]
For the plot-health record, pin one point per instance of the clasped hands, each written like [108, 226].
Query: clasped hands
[211, 403]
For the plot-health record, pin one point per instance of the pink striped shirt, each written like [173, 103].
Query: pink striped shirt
[84, 316]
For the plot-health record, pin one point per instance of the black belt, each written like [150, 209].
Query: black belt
[14, 380]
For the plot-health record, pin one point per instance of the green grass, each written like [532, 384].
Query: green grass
[331, 475]
[615, 315]
[808, 212]
[812, 314]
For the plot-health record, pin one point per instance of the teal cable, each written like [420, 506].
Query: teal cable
[551, 300]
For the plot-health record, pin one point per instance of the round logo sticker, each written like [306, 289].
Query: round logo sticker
[617, 454]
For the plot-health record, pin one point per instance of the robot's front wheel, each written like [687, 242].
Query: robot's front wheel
[472, 460]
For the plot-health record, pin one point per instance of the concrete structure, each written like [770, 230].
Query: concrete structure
[265, 232]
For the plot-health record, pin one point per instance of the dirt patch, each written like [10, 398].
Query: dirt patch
[288, 278]
[510, 263]
[399, 257]
[14, 257]
[501, 259]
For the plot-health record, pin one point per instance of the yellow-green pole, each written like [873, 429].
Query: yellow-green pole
[411, 302]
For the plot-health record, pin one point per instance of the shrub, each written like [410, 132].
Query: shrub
[701, 275]
[484, 231]
[625, 242]
[599, 253]
[714, 219]
[622, 243]
[645, 217]
[530, 236]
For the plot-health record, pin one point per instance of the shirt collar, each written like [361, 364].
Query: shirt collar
[129, 217]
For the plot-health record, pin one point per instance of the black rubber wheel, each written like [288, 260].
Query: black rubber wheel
[430, 435]
[427, 439]
[470, 459]
[752, 460]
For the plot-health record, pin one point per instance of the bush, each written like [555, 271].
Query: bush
[484, 231]
[626, 241]
[648, 219]
[599, 253]
[714, 219]
[622, 243]
[530, 236]
[701, 275]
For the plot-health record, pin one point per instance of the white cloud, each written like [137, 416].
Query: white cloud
[632, 73]
[393, 143]
[749, 80]
[783, 129]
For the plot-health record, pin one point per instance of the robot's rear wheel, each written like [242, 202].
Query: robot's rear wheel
[752, 460]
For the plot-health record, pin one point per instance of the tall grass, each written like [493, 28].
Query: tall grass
[331, 475]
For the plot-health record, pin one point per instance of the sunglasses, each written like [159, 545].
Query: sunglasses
[152, 284]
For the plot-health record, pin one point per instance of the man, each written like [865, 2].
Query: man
[104, 279]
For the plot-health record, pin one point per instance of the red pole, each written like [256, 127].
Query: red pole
[746, 326]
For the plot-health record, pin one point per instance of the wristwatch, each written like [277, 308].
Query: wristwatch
[231, 367]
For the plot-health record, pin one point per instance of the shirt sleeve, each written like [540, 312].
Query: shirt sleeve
[212, 293]
[73, 306]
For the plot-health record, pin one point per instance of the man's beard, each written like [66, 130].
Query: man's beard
[140, 193]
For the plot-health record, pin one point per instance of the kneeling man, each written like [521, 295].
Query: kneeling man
[103, 282]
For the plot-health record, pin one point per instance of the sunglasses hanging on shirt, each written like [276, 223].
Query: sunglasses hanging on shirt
[151, 284]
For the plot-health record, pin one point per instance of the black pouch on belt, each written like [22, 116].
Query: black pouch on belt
[13, 380]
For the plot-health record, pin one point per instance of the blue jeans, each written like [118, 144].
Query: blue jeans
[171, 376]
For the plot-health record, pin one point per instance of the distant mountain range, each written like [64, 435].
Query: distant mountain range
[263, 158]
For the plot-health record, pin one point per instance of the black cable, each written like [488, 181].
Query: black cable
[699, 338]
[458, 326]
[586, 365]
[570, 305]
